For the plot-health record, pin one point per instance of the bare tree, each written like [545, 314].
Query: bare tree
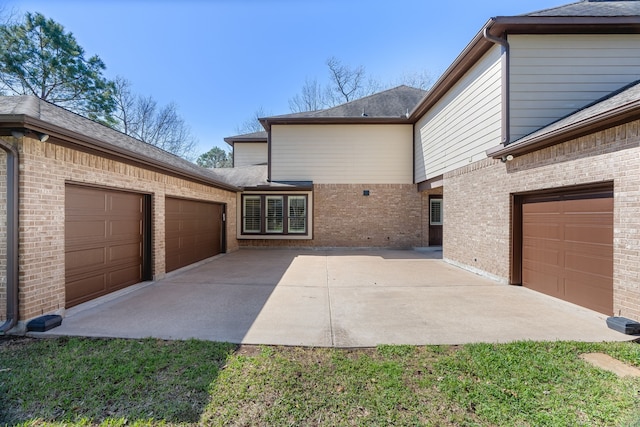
[419, 79]
[142, 118]
[312, 97]
[252, 124]
[7, 16]
[348, 83]
[345, 84]
[125, 105]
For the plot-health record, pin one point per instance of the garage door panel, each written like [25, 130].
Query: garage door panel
[87, 259]
[591, 233]
[104, 241]
[546, 282]
[83, 197]
[86, 288]
[542, 231]
[595, 297]
[125, 229]
[591, 206]
[544, 256]
[121, 278]
[591, 264]
[87, 229]
[567, 248]
[123, 203]
[126, 252]
[172, 244]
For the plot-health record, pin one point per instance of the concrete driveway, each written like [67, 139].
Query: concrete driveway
[333, 298]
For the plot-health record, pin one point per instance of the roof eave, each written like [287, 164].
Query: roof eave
[231, 140]
[564, 24]
[72, 138]
[605, 120]
[269, 121]
[501, 25]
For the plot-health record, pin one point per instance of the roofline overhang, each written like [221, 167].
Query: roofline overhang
[591, 124]
[232, 140]
[281, 186]
[88, 143]
[267, 122]
[505, 25]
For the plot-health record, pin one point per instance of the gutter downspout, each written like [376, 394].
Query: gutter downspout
[12, 235]
[506, 107]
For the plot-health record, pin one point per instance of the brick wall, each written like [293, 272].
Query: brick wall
[390, 216]
[44, 169]
[477, 204]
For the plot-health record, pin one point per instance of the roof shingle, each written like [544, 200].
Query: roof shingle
[593, 8]
[67, 122]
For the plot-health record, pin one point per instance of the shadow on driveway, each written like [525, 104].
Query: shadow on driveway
[333, 298]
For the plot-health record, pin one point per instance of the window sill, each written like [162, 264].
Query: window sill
[274, 237]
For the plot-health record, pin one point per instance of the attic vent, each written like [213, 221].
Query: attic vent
[364, 113]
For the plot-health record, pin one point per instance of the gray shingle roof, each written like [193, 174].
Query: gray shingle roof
[255, 177]
[593, 8]
[390, 103]
[65, 122]
[247, 137]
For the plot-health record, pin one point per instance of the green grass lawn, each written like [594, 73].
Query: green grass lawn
[153, 382]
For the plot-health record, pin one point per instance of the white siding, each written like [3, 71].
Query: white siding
[464, 123]
[555, 75]
[249, 153]
[342, 154]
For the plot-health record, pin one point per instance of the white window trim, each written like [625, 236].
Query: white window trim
[275, 236]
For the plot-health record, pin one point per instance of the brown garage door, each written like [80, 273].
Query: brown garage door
[193, 231]
[104, 242]
[567, 249]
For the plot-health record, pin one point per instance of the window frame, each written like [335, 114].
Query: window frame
[433, 202]
[286, 217]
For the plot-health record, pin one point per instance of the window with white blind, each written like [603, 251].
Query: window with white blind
[274, 214]
[435, 211]
[297, 214]
[251, 214]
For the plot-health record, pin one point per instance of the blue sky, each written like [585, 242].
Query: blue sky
[222, 60]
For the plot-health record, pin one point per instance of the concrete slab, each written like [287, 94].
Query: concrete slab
[340, 298]
[608, 363]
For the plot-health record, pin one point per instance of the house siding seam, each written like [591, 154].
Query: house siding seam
[45, 169]
[555, 75]
[464, 123]
[390, 217]
[478, 204]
